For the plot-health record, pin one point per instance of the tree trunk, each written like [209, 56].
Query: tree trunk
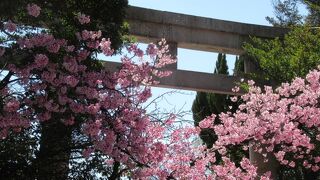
[52, 161]
[115, 171]
[256, 158]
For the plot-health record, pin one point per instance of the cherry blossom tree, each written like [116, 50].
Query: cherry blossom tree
[283, 122]
[63, 87]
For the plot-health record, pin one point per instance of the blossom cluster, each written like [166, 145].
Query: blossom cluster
[59, 79]
[284, 122]
[33, 10]
[83, 19]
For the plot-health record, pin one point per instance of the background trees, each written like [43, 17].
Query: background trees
[283, 59]
[292, 56]
[286, 13]
[206, 104]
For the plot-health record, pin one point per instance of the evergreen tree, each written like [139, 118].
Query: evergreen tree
[286, 13]
[239, 65]
[284, 59]
[206, 104]
[313, 18]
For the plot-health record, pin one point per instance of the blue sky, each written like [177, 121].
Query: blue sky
[246, 11]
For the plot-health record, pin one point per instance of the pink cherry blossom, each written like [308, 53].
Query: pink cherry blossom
[71, 80]
[33, 10]
[54, 47]
[152, 50]
[10, 26]
[206, 123]
[12, 105]
[83, 19]
[105, 46]
[41, 60]
[70, 48]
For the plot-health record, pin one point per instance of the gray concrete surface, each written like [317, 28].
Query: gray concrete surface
[193, 32]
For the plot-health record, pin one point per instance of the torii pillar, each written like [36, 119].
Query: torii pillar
[256, 158]
[173, 51]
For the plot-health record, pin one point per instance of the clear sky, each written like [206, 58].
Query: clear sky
[247, 11]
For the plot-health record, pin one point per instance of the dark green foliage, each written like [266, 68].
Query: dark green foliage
[17, 153]
[206, 104]
[201, 109]
[221, 65]
[286, 14]
[239, 65]
[106, 15]
[283, 59]
[313, 18]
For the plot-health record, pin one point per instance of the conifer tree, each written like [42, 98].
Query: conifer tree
[239, 65]
[207, 103]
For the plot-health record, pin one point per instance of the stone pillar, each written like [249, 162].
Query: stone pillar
[173, 51]
[250, 66]
[256, 158]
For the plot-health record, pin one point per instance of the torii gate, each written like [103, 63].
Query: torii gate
[197, 33]
[204, 34]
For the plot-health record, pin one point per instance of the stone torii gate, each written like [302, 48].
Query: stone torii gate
[204, 34]
[197, 33]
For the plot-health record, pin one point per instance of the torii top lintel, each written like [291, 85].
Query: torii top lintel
[193, 32]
